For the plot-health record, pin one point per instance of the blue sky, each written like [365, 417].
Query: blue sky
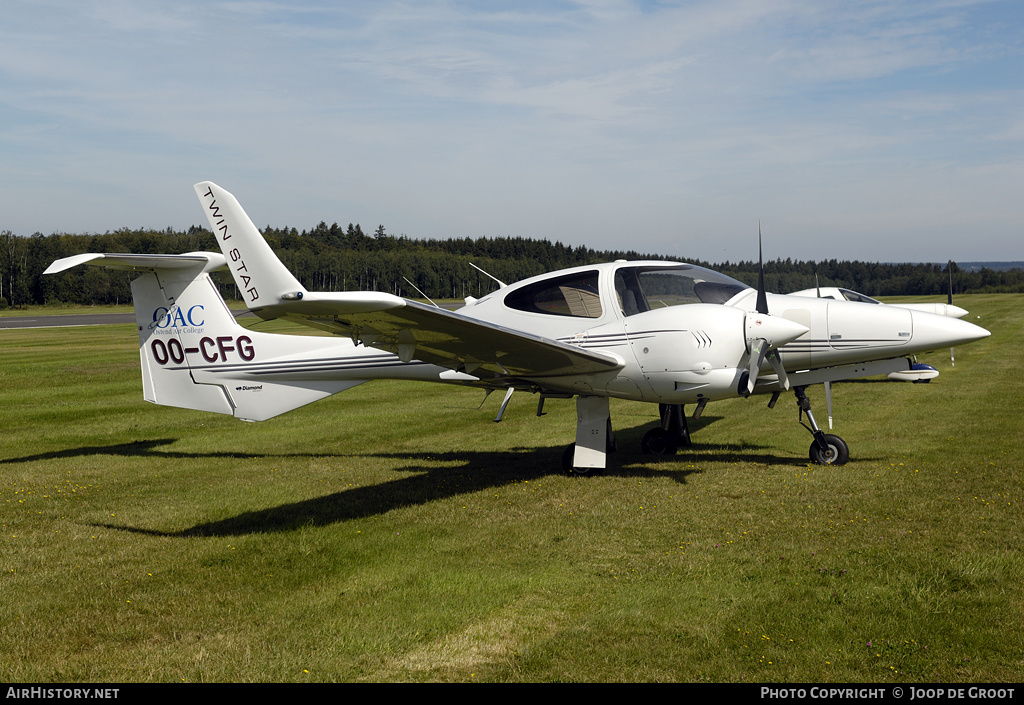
[881, 131]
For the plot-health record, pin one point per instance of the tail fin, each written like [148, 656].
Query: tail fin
[259, 274]
[195, 355]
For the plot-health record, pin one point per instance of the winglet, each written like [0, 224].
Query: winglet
[259, 274]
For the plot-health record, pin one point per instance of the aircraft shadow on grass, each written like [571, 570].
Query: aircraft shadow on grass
[476, 471]
[149, 449]
[141, 449]
[462, 472]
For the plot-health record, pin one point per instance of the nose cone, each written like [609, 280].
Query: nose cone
[932, 331]
[774, 329]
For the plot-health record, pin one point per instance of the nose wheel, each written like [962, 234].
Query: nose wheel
[836, 453]
[827, 449]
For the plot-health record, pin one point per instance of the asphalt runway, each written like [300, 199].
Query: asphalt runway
[102, 319]
[74, 319]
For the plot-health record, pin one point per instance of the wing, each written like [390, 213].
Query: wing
[412, 330]
[407, 328]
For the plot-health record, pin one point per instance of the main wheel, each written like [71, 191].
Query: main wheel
[568, 469]
[659, 442]
[837, 454]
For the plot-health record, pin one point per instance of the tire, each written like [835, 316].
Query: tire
[838, 452]
[658, 442]
[568, 469]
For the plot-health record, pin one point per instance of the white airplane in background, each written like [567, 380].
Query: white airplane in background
[660, 332]
[919, 371]
[840, 294]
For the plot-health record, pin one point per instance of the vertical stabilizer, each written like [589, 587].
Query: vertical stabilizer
[196, 356]
[260, 276]
[168, 316]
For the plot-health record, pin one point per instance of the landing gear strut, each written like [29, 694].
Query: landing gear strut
[594, 438]
[674, 432]
[827, 449]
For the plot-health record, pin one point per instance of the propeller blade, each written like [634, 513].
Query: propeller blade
[762, 297]
[949, 299]
[765, 333]
[775, 360]
[758, 350]
[949, 302]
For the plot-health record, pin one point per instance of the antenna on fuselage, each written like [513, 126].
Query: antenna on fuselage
[501, 284]
[762, 297]
[420, 292]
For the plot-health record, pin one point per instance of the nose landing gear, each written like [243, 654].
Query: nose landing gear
[827, 449]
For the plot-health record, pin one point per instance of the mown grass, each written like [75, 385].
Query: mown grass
[394, 532]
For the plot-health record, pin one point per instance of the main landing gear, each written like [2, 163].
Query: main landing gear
[674, 432]
[827, 449]
[594, 440]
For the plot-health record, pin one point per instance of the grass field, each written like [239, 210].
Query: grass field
[394, 532]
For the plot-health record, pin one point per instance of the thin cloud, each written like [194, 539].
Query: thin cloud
[666, 126]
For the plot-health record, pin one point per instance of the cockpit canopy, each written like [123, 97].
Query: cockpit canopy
[569, 295]
[637, 287]
[642, 288]
[837, 293]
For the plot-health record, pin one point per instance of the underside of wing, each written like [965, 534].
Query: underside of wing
[413, 330]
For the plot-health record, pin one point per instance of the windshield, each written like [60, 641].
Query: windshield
[854, 296]
[641, 289]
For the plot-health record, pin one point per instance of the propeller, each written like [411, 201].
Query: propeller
[765, 333]
[949, 302]
[762, 295]
[949, 268]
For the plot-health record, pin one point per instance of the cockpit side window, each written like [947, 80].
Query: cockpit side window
[573, 295]
[640, 289]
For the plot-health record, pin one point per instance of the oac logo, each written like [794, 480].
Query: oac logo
[178, 317]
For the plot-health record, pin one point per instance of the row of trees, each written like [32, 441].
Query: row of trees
[330, 258]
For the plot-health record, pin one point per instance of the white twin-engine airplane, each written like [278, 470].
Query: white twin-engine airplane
[660, 332]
